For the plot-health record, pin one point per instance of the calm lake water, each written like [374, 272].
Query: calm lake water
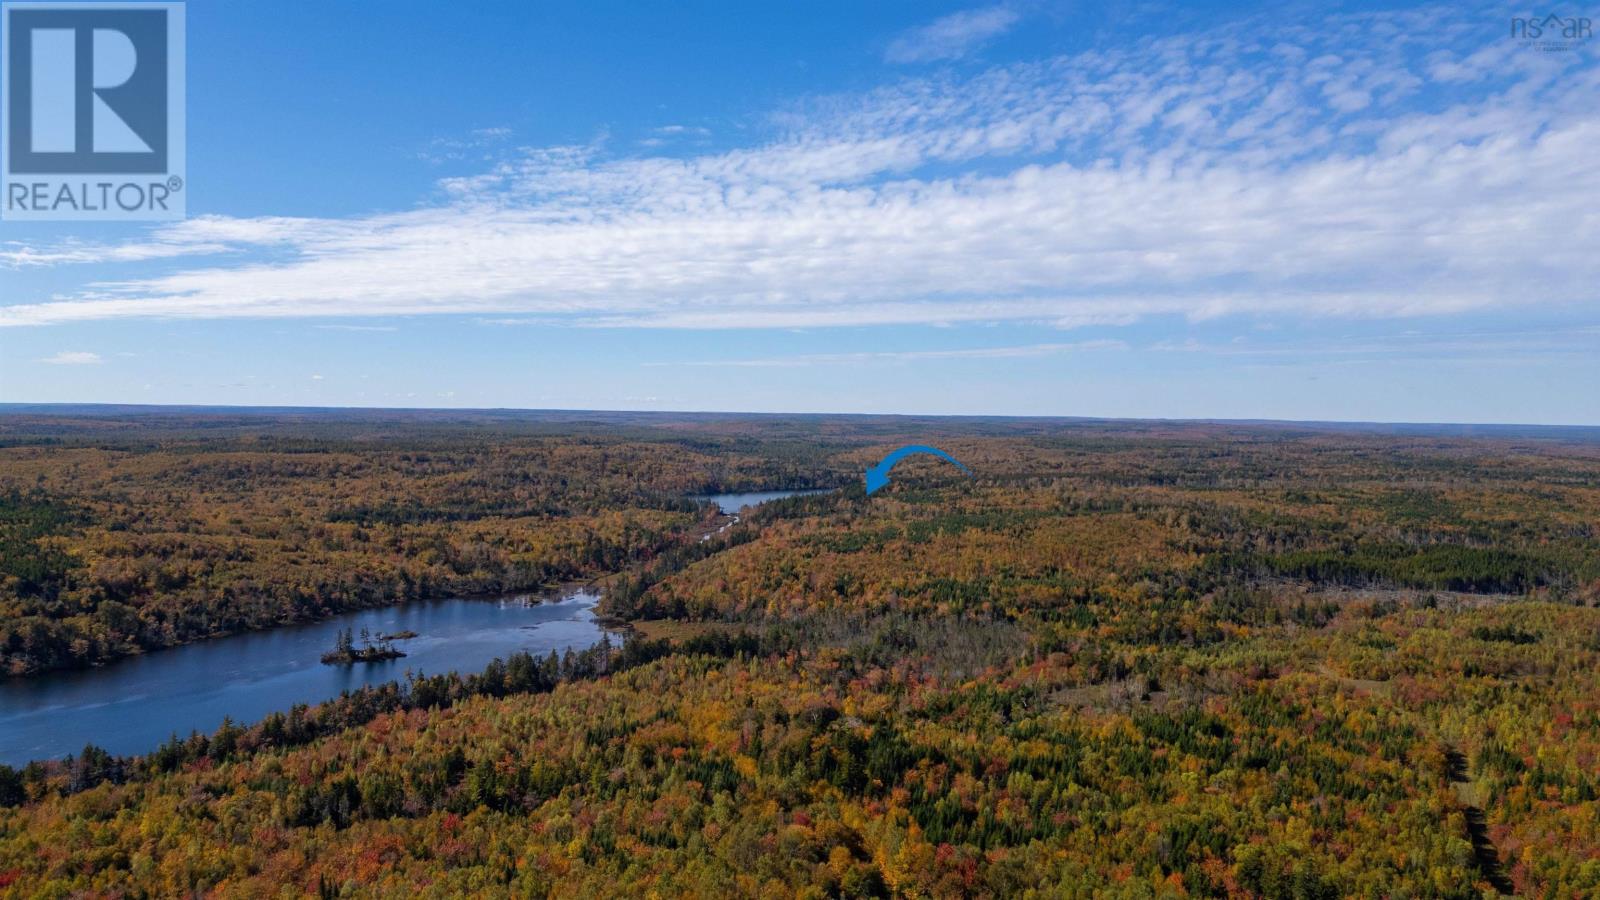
[132, 705]
[732, 503]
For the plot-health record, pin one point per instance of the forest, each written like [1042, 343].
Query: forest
[110, 548]
[1125, 659]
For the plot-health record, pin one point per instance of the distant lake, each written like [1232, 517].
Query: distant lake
[132, 705]
[732, 503]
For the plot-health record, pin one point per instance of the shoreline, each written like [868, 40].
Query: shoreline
[539, 596]
[582, 633]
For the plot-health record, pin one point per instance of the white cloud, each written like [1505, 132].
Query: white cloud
[74, 358]
[905, 356]
[952, 36]
[691, 130]
[471, 146]
[1232, 172]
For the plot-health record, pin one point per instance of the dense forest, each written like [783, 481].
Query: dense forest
[117, 545]
[1136, 660]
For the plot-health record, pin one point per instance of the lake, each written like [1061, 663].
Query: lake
[732, 503]
[132, 705]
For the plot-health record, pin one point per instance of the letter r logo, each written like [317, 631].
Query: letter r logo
[87, 89]
[55, 87]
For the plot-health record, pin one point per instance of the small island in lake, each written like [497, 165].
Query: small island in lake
[345, 651]
[406, 635]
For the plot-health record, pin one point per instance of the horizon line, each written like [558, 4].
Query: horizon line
[64, 408]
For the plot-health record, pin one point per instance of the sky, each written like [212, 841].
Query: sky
[1314, 212]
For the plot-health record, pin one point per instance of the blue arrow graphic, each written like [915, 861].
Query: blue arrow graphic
[878, 475]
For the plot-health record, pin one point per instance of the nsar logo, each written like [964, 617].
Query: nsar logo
[1552, 32]
[93, 124]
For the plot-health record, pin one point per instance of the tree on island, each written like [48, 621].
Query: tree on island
[345, 650]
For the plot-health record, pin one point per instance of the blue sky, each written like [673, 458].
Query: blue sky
[1248, 211]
